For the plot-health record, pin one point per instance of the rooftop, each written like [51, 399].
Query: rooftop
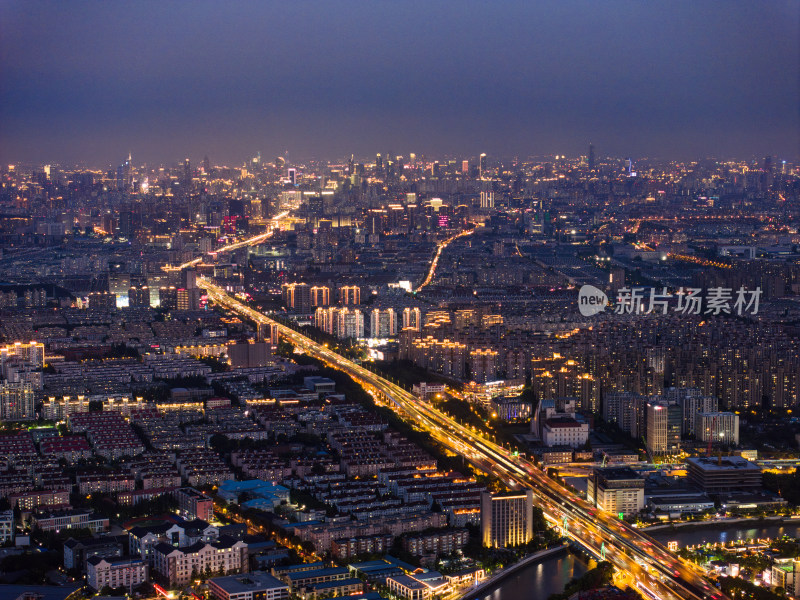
[256, 580]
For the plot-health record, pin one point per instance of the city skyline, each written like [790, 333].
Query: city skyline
[687, 81]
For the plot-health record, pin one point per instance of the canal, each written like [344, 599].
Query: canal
[537, 581]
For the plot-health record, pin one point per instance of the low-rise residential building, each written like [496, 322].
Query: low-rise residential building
[194, 504]
[441, 542]
[177, 566]
[115, 572]
[76, 552]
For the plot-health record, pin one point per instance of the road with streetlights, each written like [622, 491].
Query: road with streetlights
[646, 564]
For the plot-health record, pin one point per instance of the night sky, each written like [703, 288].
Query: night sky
[89, 81]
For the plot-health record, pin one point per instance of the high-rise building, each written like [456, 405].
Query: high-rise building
[664, 426]
[350, 323]
[487, 199]
[188, 299]
[349, 294]
[464, 167]
[412, 318]
[187, 174]
[718, 427]
[320, 295]
[482, 166]
[506, 519]
[139, 296]
[189, 278]
[626, 409]
[297, 297]
[16, 401]
[618, 490]
[692, 402]
[591, 157]
[31, 353]
[167, 298]
[248, 355]
[292, 174]
[383, 323]
[102, 301]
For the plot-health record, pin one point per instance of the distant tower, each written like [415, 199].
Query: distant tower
[591, 157]
[629, 163]
[378, 163]
[128, 174]
[292, 173]
[206, 165]
[482, 166]
[187, 174]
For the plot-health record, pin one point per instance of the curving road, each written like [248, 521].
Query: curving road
[435, 262]
[252, 241]
[643, 562]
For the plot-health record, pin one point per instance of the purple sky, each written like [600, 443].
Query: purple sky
[88, 81]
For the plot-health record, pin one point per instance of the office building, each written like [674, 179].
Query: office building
[664, 425]
[506, 519]
[618, 490]
[252, 586]
[722, 474]
[188, 299]
[565, 430]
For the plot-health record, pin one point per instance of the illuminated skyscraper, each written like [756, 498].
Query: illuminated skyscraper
[482, 166]
[591, 157]
[506, 519]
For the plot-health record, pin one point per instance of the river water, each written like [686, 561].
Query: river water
[691, 536]
[537, 582]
